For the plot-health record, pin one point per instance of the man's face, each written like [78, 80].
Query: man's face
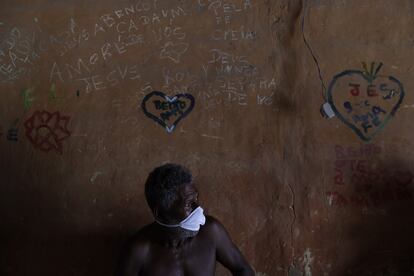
[186, 202]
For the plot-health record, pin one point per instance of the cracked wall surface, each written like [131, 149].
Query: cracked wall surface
[294, 117]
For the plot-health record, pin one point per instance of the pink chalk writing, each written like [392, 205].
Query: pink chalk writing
[359, 181]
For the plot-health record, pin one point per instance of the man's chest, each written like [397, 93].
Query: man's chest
[190, 260]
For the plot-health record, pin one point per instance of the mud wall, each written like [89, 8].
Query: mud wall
[294, 117]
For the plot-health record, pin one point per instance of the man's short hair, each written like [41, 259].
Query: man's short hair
[162, 185]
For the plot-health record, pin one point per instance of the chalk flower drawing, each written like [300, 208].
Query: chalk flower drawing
[46, 131]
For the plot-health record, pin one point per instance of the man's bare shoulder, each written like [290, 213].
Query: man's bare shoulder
[145, 234]
[214, 227]
[134, 252]
[212, 222]
[141, 241]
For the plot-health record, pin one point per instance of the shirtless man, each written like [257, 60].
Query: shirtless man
[181, 241]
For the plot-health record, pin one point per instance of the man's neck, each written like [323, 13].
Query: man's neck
[171, 238]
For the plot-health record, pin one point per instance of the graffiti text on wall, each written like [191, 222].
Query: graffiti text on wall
[360, 182]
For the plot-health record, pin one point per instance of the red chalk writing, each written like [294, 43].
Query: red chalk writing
[371, 89]
[356, 168]
[376, 194]
[350, 152]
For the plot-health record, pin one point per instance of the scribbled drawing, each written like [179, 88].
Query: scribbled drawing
[167, 111]
[117, 103]
[46, 131]
[12, 133]
[95, 176]
[173, 51]
[364, 100]
[27, 98]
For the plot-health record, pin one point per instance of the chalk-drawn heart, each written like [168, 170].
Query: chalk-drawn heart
[167, 111]
[364, 100]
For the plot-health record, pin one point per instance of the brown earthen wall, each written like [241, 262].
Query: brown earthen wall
[299, 193]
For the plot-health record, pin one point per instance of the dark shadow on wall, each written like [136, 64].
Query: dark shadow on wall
[93, 254]
[64, 254]
[35, 236]
[383, 239]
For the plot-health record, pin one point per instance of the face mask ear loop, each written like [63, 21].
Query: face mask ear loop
[155, 213]
[167, 225]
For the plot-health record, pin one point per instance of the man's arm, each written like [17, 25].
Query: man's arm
[227, 252]
[132, 258]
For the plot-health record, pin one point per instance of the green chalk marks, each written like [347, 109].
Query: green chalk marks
[27, 99]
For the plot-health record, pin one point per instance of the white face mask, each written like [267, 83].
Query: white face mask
[192, 222]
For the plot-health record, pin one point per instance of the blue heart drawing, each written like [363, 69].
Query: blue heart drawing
[167, 111]
[364, 100]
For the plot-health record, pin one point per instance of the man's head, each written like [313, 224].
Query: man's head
[170, 193]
